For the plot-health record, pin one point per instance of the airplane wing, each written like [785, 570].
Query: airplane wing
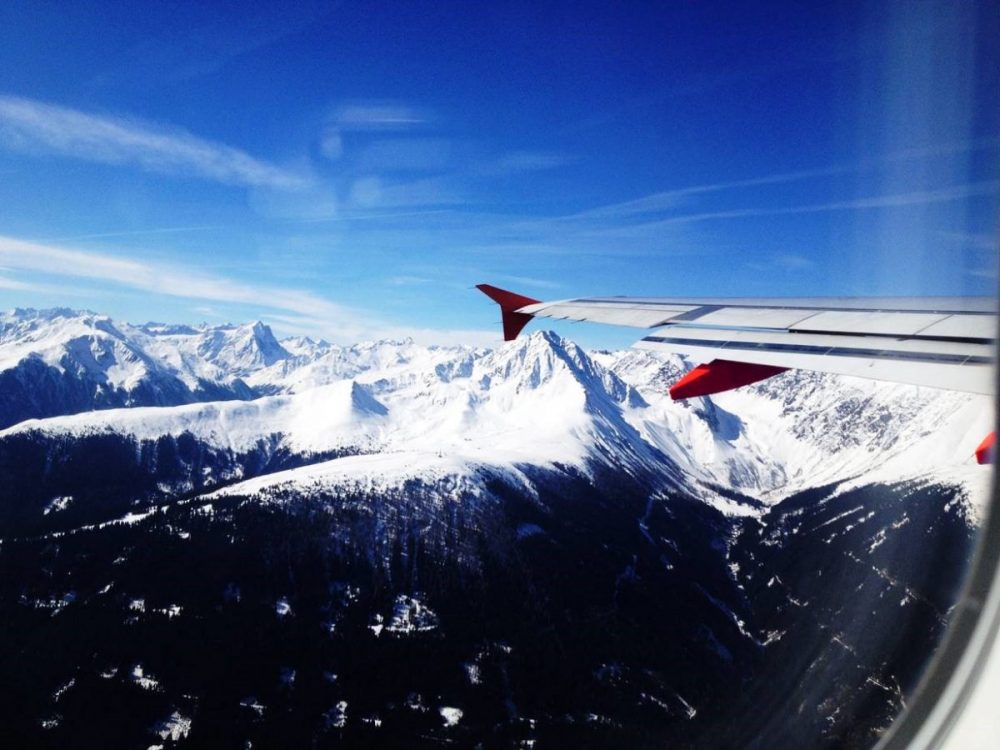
[932, 341]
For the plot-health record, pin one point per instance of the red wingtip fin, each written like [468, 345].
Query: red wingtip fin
[513, 322]
[985, 451]
[720, 375]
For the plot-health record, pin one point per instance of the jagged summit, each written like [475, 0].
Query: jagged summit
[542, 357]
[172, 329]
[241, 349]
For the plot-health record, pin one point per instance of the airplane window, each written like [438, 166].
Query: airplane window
[507, 375]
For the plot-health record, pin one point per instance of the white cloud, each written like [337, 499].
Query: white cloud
[27, 124]
[377, 116]
[315, 203]
[331, 143]
[304, 325]
[526, 281]
[296, 310]
[161, 278]
[136, 232]
[527, 161]
[947, 194]
[19, 286]
[667, 200]
[408, 280]
[375, 192]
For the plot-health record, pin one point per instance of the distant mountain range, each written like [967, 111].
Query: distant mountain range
[540, 399]
[508, 546]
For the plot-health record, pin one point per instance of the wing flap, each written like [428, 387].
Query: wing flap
[827, 343]
[615, 313]
[899, 367]
[755, 317]
[963, 326]
[872, 323]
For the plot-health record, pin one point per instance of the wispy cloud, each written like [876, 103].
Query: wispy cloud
[947, 194]
[375, 192]
[296, 309]
[19, 286]
[667, 200]
[10, 284]
[356, 216]
[379, 116]
[526, 281]
[134, 233]
[158, 278]
[408, 281]
[518, 162]
[27, 124]
[207, 310]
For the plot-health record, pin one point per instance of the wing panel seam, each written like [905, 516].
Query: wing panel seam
[835, 351]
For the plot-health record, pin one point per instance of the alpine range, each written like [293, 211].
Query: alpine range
[211, 536]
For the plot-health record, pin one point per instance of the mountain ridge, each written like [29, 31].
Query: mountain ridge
[766, 440]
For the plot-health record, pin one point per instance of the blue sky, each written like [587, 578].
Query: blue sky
[352, 170]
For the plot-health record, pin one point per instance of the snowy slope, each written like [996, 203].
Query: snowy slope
[540, 401]
[803, 429]
[62, 361]
[338, 415]
[91, 345]
[215, 353]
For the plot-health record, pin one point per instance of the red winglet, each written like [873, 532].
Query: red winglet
[720, 375]
[513, 322]
[985, 452]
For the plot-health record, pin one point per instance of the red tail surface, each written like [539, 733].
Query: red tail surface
[513, 322]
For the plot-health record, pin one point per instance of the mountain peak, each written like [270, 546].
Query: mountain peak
[270, 348]
[168, 329]
[49, 313]
[364, 401]
[241, 349]
[547, 345]
[545, 356]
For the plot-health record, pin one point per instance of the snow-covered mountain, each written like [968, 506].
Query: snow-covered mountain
[802, 429]
[533, 542]
[55, 362]
[537, 401]
[61, 361]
